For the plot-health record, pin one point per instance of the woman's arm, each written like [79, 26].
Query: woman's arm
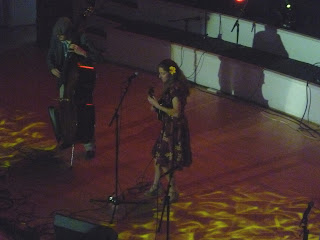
[173, 112]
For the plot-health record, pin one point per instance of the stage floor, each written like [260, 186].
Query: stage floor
[253, 175]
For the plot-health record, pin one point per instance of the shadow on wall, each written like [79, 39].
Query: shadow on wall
[269, 41]
[242, 80]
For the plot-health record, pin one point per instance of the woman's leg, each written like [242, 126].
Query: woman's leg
[155, 188]
[173, 187]
[157, 174]
[173, 192]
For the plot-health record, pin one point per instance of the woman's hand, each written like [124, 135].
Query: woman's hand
[153, 102]
[173, 112]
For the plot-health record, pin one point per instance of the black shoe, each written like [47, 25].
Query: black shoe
[155, 190]
[63, 146]
[90, 154]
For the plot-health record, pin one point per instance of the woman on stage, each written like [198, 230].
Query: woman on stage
[171, 150]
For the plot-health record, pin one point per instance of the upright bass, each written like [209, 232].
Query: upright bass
[73, 120]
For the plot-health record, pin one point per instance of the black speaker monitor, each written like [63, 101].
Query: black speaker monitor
[67, 228]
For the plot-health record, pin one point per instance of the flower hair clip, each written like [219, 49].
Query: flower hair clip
[172, 70]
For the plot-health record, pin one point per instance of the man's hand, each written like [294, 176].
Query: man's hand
[56, 72]
[77, 50]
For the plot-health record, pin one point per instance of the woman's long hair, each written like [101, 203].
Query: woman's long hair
[176, 75]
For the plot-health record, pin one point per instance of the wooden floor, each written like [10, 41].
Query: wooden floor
[253, 174]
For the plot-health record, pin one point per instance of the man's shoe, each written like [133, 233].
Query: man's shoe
[63, 146]
[90, 154]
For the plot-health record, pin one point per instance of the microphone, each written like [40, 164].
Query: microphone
[133, 76]
[306, 213]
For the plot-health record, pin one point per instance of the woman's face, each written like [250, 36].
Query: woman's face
[163, 75]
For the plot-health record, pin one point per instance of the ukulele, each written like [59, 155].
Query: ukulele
[158, 111]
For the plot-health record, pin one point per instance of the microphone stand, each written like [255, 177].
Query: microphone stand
[220, 34]
[205, 35]
[305, 233]
[236, 24]
[304, 222]
[115, 199]
[253, 29]
[166, 202]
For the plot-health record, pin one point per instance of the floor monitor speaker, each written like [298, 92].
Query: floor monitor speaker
[67, 228]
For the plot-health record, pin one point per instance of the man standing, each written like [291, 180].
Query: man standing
[66, 42]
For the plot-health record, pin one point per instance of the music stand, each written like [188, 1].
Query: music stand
[115, 199]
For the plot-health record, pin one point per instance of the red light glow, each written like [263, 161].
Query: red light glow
[83, 66]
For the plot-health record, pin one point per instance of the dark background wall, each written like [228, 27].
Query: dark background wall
[303, 17]
[48, 11]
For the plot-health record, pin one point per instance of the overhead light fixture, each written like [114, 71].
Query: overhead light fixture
[287, 4]
[237, 2]
[240, 3]
[239, 7]
[289, 15]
